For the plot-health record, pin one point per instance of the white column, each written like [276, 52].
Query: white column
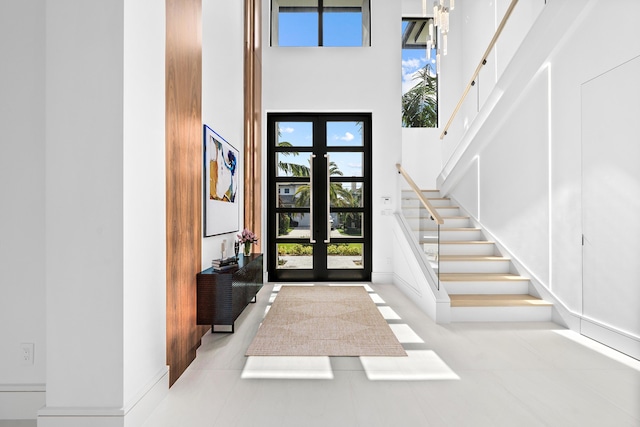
[105, 229]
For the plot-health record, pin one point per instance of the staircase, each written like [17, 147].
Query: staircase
[482, 284]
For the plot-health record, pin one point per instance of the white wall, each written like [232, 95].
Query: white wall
[84, 206]
[22, 216]
[527, 142]
[348, 80]
[83, 255]
[144, 207]
[475, 23]
[421, 156]
[223, 94]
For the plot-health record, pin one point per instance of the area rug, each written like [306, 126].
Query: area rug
[324, 321]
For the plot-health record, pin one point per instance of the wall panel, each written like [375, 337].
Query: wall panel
[253, 119]
[183, 163]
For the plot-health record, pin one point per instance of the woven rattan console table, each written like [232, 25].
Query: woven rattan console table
[222, 296]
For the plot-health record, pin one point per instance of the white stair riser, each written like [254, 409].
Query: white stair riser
[457, 235]
[425, 224]
[501, 314]
[487, 288]
[447, 266]
[420, 223]
[410, 194]
[456, 222]
[448, 210]
[410, 203]
[467, 249]
[416, 203]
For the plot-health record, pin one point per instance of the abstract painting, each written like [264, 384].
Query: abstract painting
[220, 185]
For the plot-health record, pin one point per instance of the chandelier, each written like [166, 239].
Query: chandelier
[438, 28]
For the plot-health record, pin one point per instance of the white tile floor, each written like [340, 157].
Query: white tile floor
[481, 374]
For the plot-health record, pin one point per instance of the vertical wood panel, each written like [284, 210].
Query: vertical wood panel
[183, 170]
[253, 118]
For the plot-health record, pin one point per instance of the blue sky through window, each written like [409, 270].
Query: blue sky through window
[414, 60]
[301, 29]
[298, 29]
[342, 29]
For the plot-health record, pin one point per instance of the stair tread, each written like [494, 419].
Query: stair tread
[496, 300]
[473, 258]
[480, 277]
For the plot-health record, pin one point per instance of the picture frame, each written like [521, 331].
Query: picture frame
[221, 183]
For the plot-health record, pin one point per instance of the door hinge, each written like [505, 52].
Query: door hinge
[583, 240]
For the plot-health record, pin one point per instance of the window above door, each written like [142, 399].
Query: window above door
[329, 23]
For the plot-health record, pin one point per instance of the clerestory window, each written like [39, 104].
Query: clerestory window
[339, 23]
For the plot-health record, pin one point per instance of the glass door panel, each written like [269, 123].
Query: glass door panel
[345, 133]
[346, 225]
[345, 256]
[345, 163]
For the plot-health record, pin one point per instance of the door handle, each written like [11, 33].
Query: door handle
[311, 239]
[328, 239]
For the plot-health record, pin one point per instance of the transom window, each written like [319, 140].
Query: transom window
[320, 23]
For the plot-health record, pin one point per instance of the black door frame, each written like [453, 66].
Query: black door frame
[319, 272]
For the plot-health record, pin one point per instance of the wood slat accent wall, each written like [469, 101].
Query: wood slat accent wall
[184, 181]
[253, 118]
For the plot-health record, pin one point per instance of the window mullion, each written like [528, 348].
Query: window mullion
[320, 19]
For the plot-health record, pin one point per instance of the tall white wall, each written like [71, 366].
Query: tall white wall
[22, 216]
[523, 150]
[223, 94]
[360, 79]
[473, 26]
[82, 253]
[84, 205]
[144, 207]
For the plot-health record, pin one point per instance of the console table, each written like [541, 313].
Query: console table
[221, 296]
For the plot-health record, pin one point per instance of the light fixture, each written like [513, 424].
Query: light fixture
[439, 29]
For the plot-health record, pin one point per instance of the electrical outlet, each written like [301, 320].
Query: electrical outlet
[26, 353]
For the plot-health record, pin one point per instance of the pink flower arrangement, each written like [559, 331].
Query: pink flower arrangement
[247, 236]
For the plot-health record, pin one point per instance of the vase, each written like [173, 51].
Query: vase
[247, 248]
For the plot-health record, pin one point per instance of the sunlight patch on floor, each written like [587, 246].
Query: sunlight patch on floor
[419, 365]
[377, 299]
[287, 367]
[388, 313]
[405, 334]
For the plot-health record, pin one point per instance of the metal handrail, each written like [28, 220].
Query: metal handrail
[483, 61]
[425, 202]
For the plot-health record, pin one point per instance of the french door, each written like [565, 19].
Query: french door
[319, 197]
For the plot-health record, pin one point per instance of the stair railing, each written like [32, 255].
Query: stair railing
[425, 221]
[483, 62]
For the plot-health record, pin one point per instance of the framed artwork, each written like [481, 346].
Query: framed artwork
[220, 185]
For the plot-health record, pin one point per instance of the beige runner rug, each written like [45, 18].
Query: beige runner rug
[324, 321]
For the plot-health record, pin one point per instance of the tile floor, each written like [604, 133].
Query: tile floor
[465, 374]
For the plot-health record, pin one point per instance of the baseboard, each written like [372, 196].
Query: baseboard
[132, 414]
[21, 401]
[624, 343]
[382, 277]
